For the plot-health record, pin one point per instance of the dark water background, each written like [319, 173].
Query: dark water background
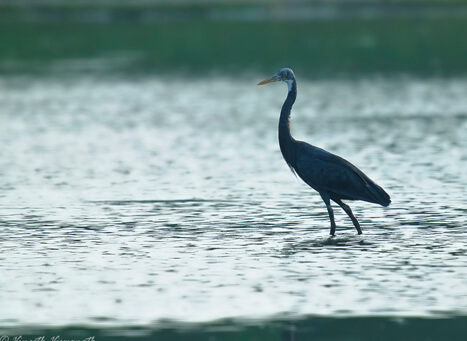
[143, 194]
[317, 40]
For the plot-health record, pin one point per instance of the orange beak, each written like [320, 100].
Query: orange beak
[269, 80]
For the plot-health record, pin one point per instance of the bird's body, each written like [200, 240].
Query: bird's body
[333, 177]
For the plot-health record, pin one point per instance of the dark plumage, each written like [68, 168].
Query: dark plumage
[333, 177]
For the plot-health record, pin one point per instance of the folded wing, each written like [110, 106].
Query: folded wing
[335, 176]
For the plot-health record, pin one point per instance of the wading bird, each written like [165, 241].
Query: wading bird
[333, 177]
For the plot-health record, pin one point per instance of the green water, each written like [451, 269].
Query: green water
[322, 329]
[326, 48]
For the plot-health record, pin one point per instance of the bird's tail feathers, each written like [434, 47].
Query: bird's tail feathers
[378, 195]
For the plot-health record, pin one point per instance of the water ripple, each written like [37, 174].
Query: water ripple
[128, 203]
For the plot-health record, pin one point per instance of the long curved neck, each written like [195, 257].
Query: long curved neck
[286, 141]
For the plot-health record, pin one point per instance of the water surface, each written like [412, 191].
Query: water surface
[133, 201]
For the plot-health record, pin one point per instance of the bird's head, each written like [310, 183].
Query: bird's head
[284, 75]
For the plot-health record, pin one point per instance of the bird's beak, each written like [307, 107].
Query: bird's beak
[271, 79]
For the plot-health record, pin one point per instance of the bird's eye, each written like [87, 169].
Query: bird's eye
[284, 74]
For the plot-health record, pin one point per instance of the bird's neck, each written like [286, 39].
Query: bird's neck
[286, 141]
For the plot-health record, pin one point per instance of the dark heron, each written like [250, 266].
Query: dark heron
[333, 177]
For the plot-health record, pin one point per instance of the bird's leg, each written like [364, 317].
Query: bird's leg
[331, 213]
[331, 217]
[347, 210]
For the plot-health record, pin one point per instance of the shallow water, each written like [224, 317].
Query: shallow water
[133, 201]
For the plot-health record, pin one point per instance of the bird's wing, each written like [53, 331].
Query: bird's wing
[327, 172]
